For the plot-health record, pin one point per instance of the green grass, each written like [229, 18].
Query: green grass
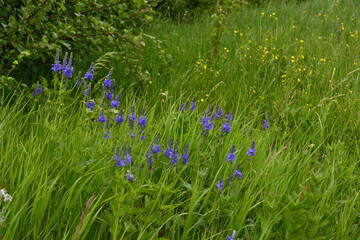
[301, 184]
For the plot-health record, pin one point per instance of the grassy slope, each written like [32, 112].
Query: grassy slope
[54, 158]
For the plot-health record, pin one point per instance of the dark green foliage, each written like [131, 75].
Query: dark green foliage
[85, 28]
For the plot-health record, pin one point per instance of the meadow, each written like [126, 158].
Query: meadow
[253, 137]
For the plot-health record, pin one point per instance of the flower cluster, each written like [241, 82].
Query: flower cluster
[251, 152]
[231, 156]
[226, 125]
[266, 123]
[126, 159]
[66, 68]
[171, 153]
[185, 154]
[153, 153]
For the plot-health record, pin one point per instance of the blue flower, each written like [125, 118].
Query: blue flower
[226, 127]
[232, 237]
[119, 161]
[237, 173]
[231, 179]
[102, 117]
[185, 154]
[108, 80]
[67, 67]
[109, 95]
[228, 117]
[119, 119]
[129, 176]
[266, 123]
[131, 118]
[251, 152]
[57, 66]
[37, 90]
[220, 184]
[219, 112]
[193, 105]
[171, 153]
[231, 156]
[183, 106]
[90, 74]
[152, 153]
[127, 156]
[142, 121]
[114, 103]
[206, 122]
[90, 105]
[107, 134]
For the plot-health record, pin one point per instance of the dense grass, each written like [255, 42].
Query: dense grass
[295, 63]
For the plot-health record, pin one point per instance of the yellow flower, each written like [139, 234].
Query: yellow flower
[298, 80]
[262, 13]
[249, 41]
[319, 37]
[202, 100]
[236, 31]
[293, 27]
[205, 66]
[150, 82]
[302, 41]
[241, 34]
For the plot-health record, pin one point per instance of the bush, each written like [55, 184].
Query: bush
[85, 28]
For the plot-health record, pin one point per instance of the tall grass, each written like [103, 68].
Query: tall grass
[295, 63]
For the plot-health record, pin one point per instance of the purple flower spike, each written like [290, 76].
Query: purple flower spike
[90, 105]
[220, 184]
[251, 152]
[231, 156]
[185, 154]
[37, 90]
[102, 117]
[90, 74]
[107, 135]
[193, 105]
[129, 176]
[266, 123]
[57, 66]
[237, 173]
[232, 237]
